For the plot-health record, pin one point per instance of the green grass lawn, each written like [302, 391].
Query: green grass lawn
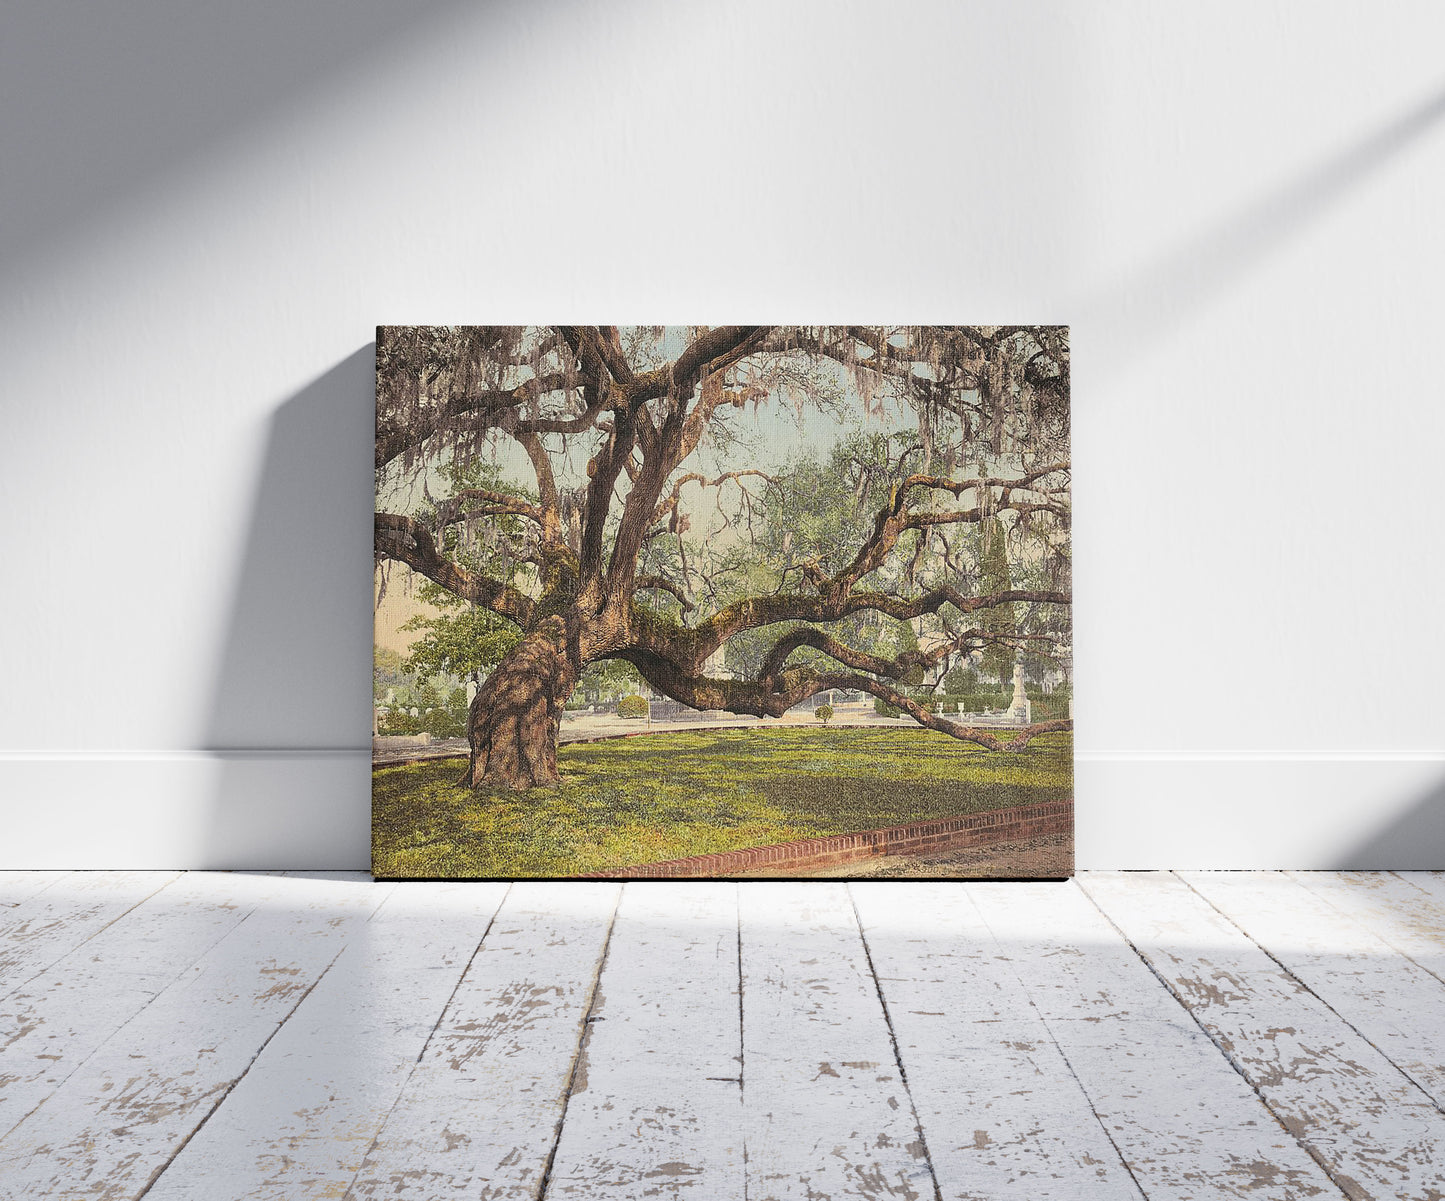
[664, 796]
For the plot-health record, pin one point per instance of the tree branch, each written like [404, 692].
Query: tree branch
[546, 485]
[663, 585]
[669, 506]
[798, 684]
[691, 647]
[713, 351]
[394, 438]
[897, 517]
[408, 541]
[710, 352]
[496, 504]
[982, 736]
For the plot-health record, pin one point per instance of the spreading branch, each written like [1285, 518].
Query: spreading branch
[408, 541]
[459, 507]
[395, 437]
[797, 684]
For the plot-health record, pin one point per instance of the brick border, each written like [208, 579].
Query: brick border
[943, 834]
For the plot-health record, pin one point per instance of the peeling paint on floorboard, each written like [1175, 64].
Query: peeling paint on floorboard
[1136, 1036]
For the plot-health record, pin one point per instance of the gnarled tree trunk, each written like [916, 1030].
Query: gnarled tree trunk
[515, 717]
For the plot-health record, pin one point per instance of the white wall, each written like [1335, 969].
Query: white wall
[205, 208]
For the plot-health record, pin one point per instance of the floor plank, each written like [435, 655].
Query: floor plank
[52, 1024]
[46, 926]
[656, 1107]
[16, 887]
[300, 1123]
[479, 1115]
[1375, 1131]
[1430, 883]
[122, 1116]
[1002, 1115]
[1401, 908]
[1260, 1035]
[827, 1113]
[1389, 1000]
[1186, 1124]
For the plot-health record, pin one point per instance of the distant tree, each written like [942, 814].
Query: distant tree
[387, 672]
[960, 681]
[633, 706]
[824, 713]
[607, 678]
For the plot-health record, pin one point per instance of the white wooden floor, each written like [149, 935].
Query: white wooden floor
[1191, 1035]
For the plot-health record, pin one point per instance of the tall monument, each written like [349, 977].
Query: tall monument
[1020, 710]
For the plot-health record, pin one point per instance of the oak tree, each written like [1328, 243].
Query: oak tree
[647, 530]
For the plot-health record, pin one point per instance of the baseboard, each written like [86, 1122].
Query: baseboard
[277, 809]
[1252, 810]
[309, 809]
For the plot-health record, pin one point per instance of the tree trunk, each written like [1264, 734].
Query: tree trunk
[514, 719]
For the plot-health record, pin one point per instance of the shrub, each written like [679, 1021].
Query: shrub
[633, 706]
[823, 713]
[450, 722]
[950, 705]
[979, 701]
[398, 721]
[1049, 708]
[883, 708]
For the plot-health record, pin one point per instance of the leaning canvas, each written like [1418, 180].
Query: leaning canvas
[722, 601]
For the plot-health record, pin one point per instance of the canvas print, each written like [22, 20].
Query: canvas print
[722, 601]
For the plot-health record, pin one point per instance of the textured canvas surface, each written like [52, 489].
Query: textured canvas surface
[662, 601]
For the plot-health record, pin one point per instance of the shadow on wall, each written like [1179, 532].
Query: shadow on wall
[290, 716]
[1161, 297]
[103, 100]
[1414, 841]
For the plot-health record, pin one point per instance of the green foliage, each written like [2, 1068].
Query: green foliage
[884, 709]
[822, 512]
[979, 702]
[744, 652]
[462, 640]
[960, 681]
[824, 713]
[387, 671]
[1050, 708]
[467, 642]
[605, 679]
[633, 706]
[666, 796]
[441, 718]
[490, 548]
